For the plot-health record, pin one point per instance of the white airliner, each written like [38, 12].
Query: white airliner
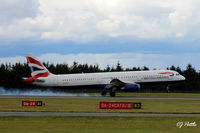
[108, 81]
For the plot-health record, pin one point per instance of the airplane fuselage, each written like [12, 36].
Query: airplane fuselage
[104, 78]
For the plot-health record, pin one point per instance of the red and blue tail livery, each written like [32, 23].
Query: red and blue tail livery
[38, 70]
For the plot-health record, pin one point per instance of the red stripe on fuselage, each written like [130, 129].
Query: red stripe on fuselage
[31, 60]
[46, 74]
[30, 80]
[166, 73]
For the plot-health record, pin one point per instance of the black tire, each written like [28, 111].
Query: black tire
[167, 88]
[112, 94]
[103, 93]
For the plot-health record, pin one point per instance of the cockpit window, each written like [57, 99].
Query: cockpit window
[177, 74]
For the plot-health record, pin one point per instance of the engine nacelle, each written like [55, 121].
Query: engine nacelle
[131, 87]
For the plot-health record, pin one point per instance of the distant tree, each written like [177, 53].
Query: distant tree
[191, 78]
[112, 69]
[172, 68]
[128, 69]
[136, 69]
[145, 68]
[119, 67]
[178, 69]
[108, 69]
[73, 68]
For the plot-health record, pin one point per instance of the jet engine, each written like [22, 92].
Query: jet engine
[131, 87]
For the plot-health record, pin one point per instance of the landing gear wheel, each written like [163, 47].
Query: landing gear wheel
[112, 94]
[103, 93]
[167, 88]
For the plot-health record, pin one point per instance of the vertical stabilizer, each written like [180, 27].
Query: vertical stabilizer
[37, 68]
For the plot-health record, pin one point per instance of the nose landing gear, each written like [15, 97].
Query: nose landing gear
[167, 88]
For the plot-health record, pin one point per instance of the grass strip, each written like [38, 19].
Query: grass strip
[92, 105]
[96, 124]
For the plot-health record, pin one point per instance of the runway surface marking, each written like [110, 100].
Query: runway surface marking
[88, 114]
[97, 97]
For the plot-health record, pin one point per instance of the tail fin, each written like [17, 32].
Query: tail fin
[37, 68]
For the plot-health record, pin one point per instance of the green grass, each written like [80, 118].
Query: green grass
[99, 124]
[95, 124]
[92, 105]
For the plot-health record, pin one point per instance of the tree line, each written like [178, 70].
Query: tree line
[11, 75]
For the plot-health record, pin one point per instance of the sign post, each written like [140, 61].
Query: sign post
[120, 105]
[32, 103]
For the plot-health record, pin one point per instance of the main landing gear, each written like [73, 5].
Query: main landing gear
[103, 93]
[112, 92]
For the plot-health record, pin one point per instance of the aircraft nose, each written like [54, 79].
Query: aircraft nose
[182, 78]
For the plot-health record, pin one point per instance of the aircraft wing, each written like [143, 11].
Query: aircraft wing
[115, 83]
[118, 84]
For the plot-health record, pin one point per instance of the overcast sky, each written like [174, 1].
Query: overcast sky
[156, 33]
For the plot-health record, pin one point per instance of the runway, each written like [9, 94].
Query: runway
[89, 114]
[100, 97]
